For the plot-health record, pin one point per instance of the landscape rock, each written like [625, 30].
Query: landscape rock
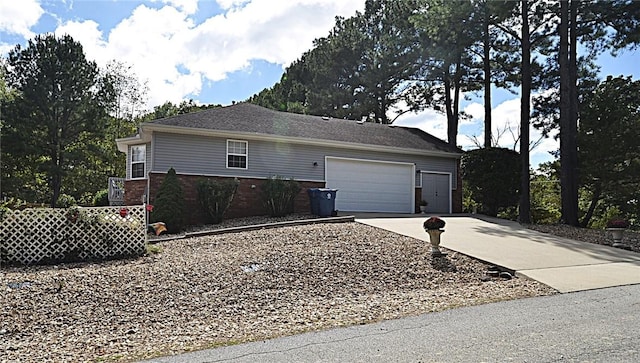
[630, 238]
[194, 294]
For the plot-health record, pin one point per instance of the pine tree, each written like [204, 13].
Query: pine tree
[59, 105]
[169, 203]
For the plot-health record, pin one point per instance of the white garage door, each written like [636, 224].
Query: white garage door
[371, 186]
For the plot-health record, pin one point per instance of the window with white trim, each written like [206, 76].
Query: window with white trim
[237, 154]
[138, 161]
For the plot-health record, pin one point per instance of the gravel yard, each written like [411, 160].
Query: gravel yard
[599, 236]
[232, 288]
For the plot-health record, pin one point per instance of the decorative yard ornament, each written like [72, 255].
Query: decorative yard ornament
[617, 227]
[157, 228]
[433, 226]
[423, 206]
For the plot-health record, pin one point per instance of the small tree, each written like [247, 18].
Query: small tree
[169, 203]
[493, 177]
[545, 194]
[66, 201]
[278, 195]
[101, 198]
[215, 197]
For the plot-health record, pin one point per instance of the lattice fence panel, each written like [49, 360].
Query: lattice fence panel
[46, 235]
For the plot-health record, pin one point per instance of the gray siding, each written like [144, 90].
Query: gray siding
[201, 155]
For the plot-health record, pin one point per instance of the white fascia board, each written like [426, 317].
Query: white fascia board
[294, 140]
[123, 143]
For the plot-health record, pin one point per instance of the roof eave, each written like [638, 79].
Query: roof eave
[125, 142]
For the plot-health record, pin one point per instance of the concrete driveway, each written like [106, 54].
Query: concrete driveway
[564, 264]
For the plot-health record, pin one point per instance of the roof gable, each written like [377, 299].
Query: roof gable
[249, 118]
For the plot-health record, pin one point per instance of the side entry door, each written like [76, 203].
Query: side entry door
[436, 190]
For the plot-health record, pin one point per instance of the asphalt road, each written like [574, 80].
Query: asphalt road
[590, 326]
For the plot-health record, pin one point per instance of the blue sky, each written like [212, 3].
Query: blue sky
[227, 50]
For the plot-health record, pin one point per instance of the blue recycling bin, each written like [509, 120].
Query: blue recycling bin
[326, 202]
[313, 200]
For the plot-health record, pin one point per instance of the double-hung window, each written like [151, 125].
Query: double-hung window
[237, 154]
[138, 160]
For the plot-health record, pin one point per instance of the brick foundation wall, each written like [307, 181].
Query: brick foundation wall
[134, 191]
[418, 199]
[246, 202]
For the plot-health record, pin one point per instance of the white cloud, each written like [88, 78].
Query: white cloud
[6, 48]
[435, 122]
[476, 113]
[228, 4]
[506, 127]
[186, 6]
[17, 17]
[176, 56]
[505, 119]
[275, 32]
[87, 34]
[430, 121]
[505, 124]
[151, 40]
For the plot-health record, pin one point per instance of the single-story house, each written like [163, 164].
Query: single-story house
[376, 168]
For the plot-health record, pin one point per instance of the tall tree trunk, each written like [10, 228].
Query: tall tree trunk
[448, 104]
[573, 113]
[525, 111]
[456, 101]
[382, 105]
[597, 192]
[452, 105]
[56, 177]
[56, 185]
[568, 116]
[487, 78]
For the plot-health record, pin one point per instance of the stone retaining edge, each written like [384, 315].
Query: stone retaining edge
[213, 232]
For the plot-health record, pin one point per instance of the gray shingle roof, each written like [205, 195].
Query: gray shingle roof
[250, 118]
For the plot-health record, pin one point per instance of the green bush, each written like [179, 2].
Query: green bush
[600, 222]
[101, 198]
[14, 203]
[468, 204]
[168, 206]
[66, 201]
[493, 177]
[3, 212]
[278, 195]
[215, 197]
